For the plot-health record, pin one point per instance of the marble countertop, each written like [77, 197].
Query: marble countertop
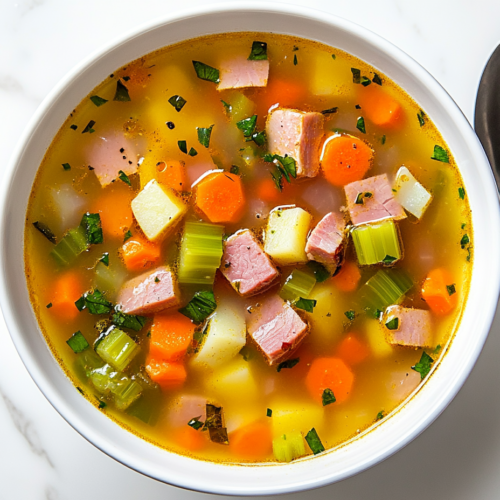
[41, 456]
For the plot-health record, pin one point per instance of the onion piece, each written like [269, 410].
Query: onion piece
[412, 196]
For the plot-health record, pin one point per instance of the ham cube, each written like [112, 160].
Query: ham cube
[246, 266]
[149, 293]
[276, 328]
[371, 200]
[239, 72]
[111, 153]
[297, 134]
[413, 327]
[326, 241]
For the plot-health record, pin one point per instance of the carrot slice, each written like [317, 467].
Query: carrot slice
[171, 335]
[189, 438]
[66, 291]
[345, 159]
[139, 253]
[439, 291]
[353, 350]
[220, 197]
[114, 208]
[329, 373]
[286, 93]
[167, 375]
[380, 108]
[172, 174]
[252, 441]
[267, 190]
[348, 278]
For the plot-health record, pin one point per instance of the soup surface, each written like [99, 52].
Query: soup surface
[248, 247]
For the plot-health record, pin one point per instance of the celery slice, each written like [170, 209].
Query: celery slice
[239, 106]
[383, 289]
[288, 447]
[375, 243]
[298, 284]
[117, 349]
[126, 392]
[201, 253]
[70, 247]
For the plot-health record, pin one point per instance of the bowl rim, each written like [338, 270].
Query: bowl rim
[47, 386]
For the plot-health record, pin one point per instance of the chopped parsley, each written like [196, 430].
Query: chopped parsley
[295, 61]
[192, 152]
[73, 127]
[182, 146]
[380, 415]
[451, 289]
[105, 259]
[227, 107]
[200, 307]
[259, 138]
[94, 302]
[77, 342]
[421, 118]
[124, 177]
[361, 198]
[424, 365]
[195, 423]
[437, 349]
[45, 230]
[328, 397]
[157, 280]
[177, 102]
[102, 404]
[330, 111]
[356, 75]
[127, 236]
[98, 101]
[392, 324]
[247, 125]
[305, 304]
[360, 125]
[350, 315]
[365, 81]
[376, 79]
[205, 72]
[464, 241]
[91, 223]
[259, 51]
[204, 135]
[389, 259]
[383, 139]
[289, 363]
[49, 305]
[440, 154]
[461, 193]
[89, 127]
[132, 321]
[334, 57]
[314, 441]
[285, 167]
[66, 166]
[269, 412]
[320, 272]
[121, 93]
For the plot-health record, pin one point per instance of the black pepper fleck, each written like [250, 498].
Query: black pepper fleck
[171, 125]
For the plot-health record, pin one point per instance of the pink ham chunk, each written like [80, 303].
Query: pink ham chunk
[375, 201]
[182, 409]
[276, 328]
[326, 241]
[297, 134]
[246, 266]
[111, 153]
[414, 327]
[149, 293]
[239, 72]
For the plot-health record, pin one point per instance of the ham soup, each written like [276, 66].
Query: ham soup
[248, 247]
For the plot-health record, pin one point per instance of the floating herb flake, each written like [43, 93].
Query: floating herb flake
[94, 302]
[78, 342]
[205, 72]
[320, 272]
[269, 412]
[295, 61]
[66, 166]
[330, 111]
[464, 241]
[356, 75]
[204, 135]
[451, 289]
[424, 365]
[380, 415]
[247, 125]
[389, 259]
[461, 193]
[421, 118]
[45, 230]
[314, 441]
[234, 169]
[195, 423]
[259, 51]
[98, 101]
[124, 177]
[132, 321]
[328, 397]
[49, 305]
[127, 236]
[376, 79]
[91, 224]
[177, 102]
[383, 139]
[360, 125]
[182, 146]
[192, 152]
[89, 127]
[350, 315]
[200, 307]
[121, 93]
[227, 107]
[305, 304]
[392, 324]
[105, 259]
[440, 154]
[365, 81]
[289, 363]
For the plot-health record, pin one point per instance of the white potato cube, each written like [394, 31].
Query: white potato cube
[325, 78]
[286, 235]
[157, 210]
[225, 337]
[295, 416]
[376, 339]
[411, 195]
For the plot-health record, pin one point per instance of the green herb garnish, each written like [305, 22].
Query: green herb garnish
[424, 365]
[132, 321]
[289, 363]
[49, 305]
[376, 79]
[192, 152]
[440, 154]
[121, 93]
[102, 404]
[73, 127]
[392, 324]
[437, 349]
[227, 107]
[45, 230]
[383, 139]
[380, 415]
[91, 224]
[66, 166]
[204, 135]
[234, 169]
[259, 138]
[77, 342]
[464, 241]
[388, 259]
[200, 307]
[320, 272]
[356, 75]
[269, 412]
[330, 111]
[98, 101]
[247, 125]
[451, 289]
[314, 442]
[305, 304]
[195, 423]
[94, 302]
[124, 177]
[334, 57]
[89, 127]
[177, 102]
[105, 259]
[421, 118]
[259, 51]
[350, 315]
[285, 164]
[360, 125]
[295, 61]
[328, 397]
[205, 72]
[127, 236]
[461, 193]
[182, 146]
[365, 81]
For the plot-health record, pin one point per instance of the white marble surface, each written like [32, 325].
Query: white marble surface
[42, 457]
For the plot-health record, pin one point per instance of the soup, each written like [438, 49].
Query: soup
[248, 247]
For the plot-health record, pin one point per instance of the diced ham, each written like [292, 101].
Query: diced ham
[245, 265]
[111, 153]
[414, 327]
[238, 72]
[276, 328]
[326, 241]
[149, 293]
[297, 134]
[375, 201]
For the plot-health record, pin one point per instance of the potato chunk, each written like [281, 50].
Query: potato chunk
[295, 416]
[286, 235]
[157, 210]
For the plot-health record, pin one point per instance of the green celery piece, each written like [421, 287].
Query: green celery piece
[70, 247]
[383, 289]
[126, 393]
[374, 242]
[288, 447]
[298, 284]
[201, 253]
[85, 363]
[241, 106]
[117, 349]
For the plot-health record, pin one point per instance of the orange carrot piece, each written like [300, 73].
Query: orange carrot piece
[436, 294]
[189, 438]
[329, 373]
[171, 335]
[114, 208]
[66, 291]
[253, 441]
[353, 350]
[172, 174]
[348, 278]
[220, 197]
[286, 93]
[380, 108]
[267, 190]
[345, 159]
[167, 375]
[139, 254]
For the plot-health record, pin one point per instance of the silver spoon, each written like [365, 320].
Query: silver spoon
[487, 113]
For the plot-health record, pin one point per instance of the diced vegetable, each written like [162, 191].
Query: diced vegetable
[286, 235]
[383, 289]
[381, 108]
[266, 190]
[200, 253]
[109, 279]
[298, 284]
[353, 350]
[330, 373]
[288, 447]
[139, 254]
[168, 375]
[117, 349]
[171, 174]
[157, 210]
[226, 335]
[220, 197]
[252, 441]
[126, 394]
[347, 279]
[436, 294]
[67, 289]
[239, 106]
[290, 415]
[376, 339]
[171, 335]
[377, 243]
[70, 247]
[412, 196]
[78, 342]
[314, 442]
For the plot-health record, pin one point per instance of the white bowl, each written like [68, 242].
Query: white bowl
[392, 433]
